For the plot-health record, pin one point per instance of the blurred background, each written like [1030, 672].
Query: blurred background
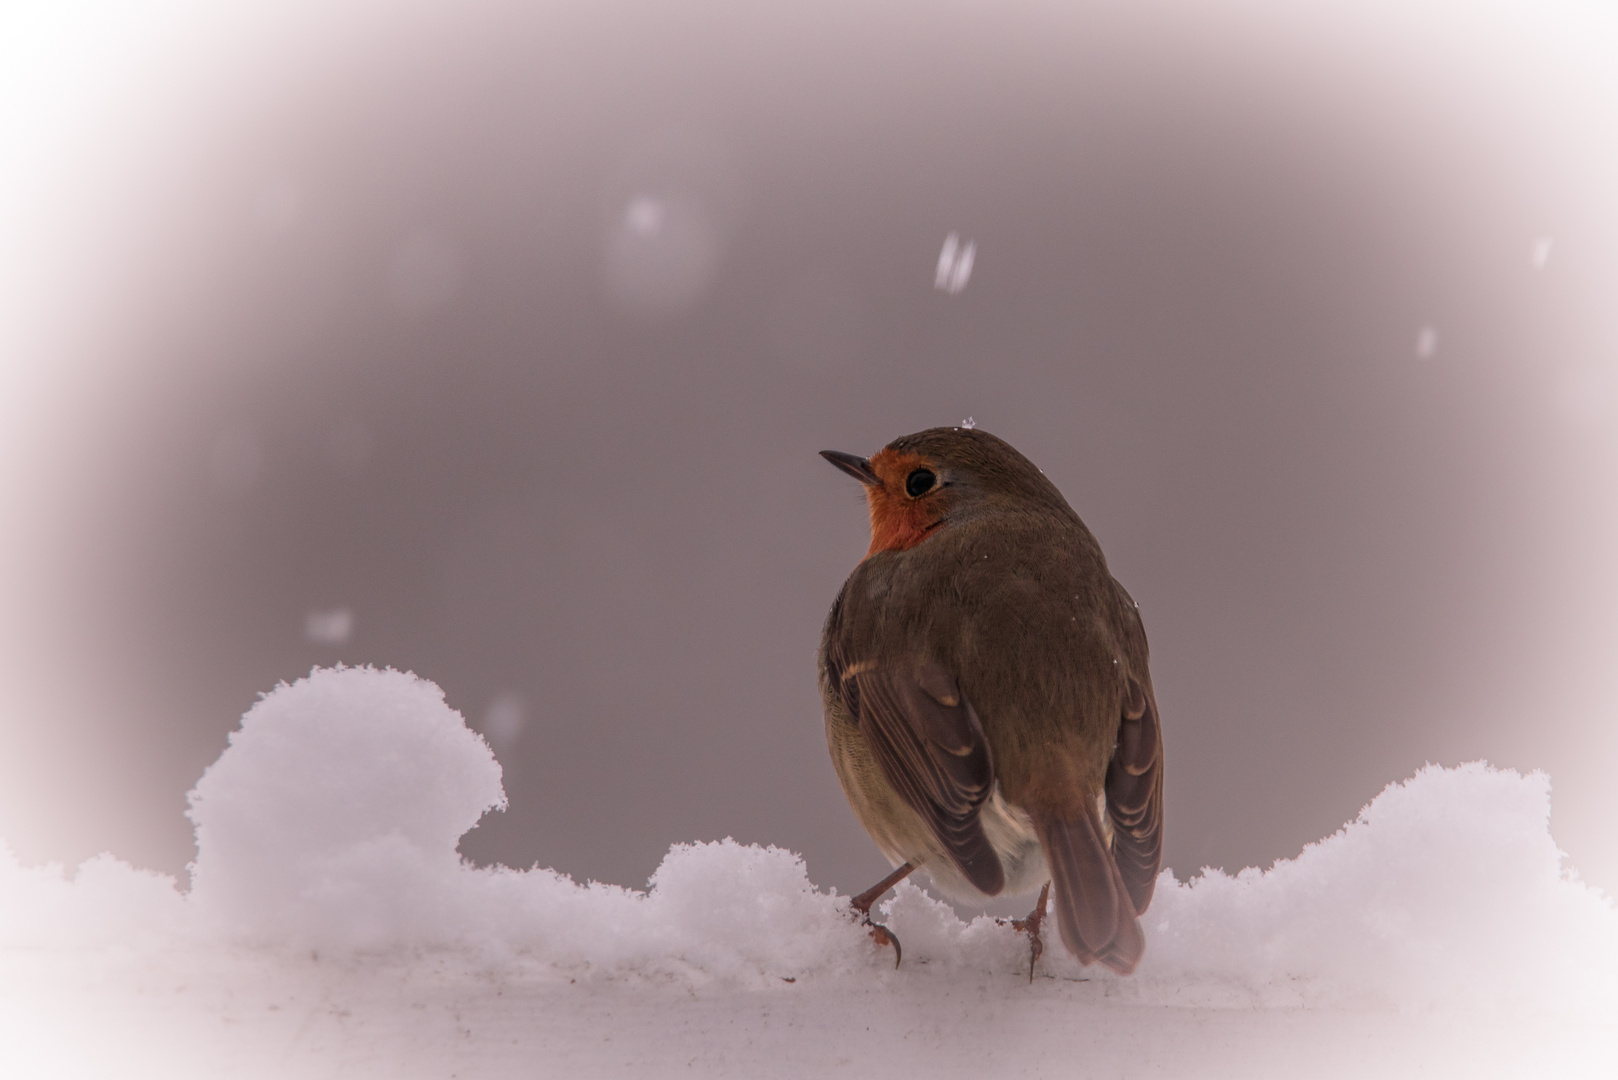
[496, 342]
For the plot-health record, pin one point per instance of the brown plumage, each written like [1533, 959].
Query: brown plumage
[988, 703]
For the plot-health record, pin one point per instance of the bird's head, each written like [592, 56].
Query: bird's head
[941, 478]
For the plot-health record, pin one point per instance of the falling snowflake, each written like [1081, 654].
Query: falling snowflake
[644, 216]
[1427, 342]
[1542, 252]
[332, 627]
[504, 721]
[969, 423]
[955, 264]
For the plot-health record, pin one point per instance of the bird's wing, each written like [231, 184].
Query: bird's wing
[929, 744]
[1134, 782]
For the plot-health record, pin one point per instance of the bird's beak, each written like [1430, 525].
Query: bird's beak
[857, 467]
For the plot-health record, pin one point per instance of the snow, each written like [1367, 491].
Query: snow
[331, 626]
[954, 264]
[1542, 253]
[1427, 342]
[331, 928]
[504, 720]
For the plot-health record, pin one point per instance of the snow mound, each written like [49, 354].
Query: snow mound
[1446, 890]
[332, 821]
[330, 825]
[332, 816]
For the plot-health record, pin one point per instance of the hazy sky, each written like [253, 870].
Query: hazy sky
[497, 343]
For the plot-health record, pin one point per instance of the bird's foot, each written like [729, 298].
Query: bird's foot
[1030, 925]
[883, 936]
[860, 908]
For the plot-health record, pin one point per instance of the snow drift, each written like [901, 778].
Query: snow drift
[328, 828]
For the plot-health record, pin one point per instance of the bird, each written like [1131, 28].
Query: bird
[988, 702]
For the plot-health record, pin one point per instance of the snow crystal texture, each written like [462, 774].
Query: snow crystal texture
[328, 829]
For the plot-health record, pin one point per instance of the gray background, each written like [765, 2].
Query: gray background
[515, 334]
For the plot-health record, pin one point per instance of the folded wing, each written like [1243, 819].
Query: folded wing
[929, 744]
[1134, 783]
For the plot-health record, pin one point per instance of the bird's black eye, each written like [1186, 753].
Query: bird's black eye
[919, 483]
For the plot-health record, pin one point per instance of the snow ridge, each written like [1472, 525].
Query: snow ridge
[329, 826]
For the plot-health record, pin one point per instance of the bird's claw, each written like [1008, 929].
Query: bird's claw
[883, 936]
[879, 933]
[1030, 926]
[1036, 947]
[860, 908]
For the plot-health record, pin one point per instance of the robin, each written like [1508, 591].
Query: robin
[988, 705]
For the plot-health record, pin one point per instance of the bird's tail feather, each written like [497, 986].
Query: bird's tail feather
[1093, 910]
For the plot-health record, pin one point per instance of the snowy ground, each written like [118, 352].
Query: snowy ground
[331, 930]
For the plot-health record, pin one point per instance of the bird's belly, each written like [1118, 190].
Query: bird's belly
[898, 830]
[903, 836]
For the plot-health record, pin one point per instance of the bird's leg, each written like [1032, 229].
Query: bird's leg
[861, 906]
[1030, 926]
[863, 902]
